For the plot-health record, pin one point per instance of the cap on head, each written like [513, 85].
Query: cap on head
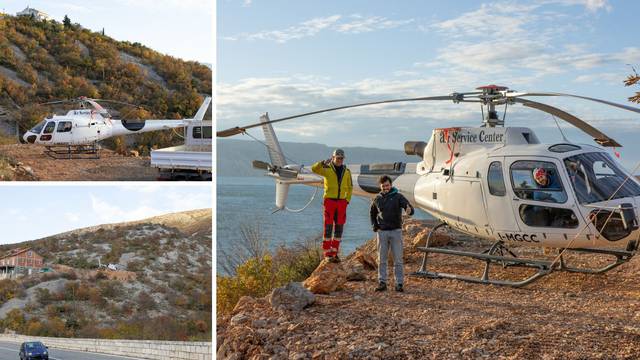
[541, 176]
[338, 152]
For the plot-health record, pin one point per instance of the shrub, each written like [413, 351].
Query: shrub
[258, 276]
[8, 290]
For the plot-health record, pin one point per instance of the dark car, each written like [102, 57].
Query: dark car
[34, 350]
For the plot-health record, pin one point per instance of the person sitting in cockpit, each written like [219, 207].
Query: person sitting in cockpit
[546, 179]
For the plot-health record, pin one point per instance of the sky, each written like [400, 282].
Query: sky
[289, 57]
[180, 28]
[31, 212]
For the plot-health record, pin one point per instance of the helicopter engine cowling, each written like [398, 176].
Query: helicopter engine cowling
[415, 148]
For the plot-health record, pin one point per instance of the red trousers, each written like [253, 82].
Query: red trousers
[335, 215]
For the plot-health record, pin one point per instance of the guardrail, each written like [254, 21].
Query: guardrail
[144, 349]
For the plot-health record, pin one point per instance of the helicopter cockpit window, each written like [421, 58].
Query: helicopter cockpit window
[546, 216]
[36, 129]
[64, 126]
[48, 129]
[537, 180]
[596, 177]
[495, 180]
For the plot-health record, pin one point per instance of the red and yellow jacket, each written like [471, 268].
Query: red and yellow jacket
[333, 190]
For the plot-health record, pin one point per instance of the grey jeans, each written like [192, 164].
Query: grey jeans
[390, 239]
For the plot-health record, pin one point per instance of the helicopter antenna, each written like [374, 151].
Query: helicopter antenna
[559, 128]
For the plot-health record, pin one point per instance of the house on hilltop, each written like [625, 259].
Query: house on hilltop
[37, 14]
[20, 261]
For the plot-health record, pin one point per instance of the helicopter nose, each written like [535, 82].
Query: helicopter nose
[30, 137]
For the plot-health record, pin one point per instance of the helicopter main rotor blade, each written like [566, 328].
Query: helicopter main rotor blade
[621, 106]
[119, 102]
[56, 102]
[597, 135]
[238, 130]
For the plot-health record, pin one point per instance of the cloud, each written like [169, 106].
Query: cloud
[501, 18]
[110, 213]
[519, 45]
[591, 5]
[354, 24]
[305, 29]
[361, 24]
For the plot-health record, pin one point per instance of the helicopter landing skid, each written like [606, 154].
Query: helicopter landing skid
[543, 267]
[62, 152]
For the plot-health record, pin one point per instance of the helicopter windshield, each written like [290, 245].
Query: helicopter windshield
[596, 177]
[36, 129]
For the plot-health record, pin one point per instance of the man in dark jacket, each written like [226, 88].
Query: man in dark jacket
[386, 218]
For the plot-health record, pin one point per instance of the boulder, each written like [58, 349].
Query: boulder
[367, 260]
[326, 278]
[292, 297]
[356, 273]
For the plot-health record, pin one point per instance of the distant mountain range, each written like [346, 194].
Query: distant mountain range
[235, 156]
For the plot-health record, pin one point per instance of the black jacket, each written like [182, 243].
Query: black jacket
[386, 210]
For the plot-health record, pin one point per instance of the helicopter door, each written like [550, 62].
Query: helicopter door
[64, 132]
[47, 132]
[501, 216]
[544, 208]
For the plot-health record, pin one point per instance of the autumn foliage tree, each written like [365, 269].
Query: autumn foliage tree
[633, 80]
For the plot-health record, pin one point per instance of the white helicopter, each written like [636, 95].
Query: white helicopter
[500, 184]
[77, 133]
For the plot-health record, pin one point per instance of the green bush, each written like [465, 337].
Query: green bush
[257, 277]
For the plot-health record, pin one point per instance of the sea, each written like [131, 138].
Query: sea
[250, 201]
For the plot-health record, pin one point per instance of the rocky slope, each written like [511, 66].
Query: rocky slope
[42, 61]
[562, 316]
[163, 291]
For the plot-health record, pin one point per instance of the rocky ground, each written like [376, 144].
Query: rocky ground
[30, 163]
[562, 316]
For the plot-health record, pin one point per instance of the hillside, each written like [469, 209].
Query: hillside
[235, 156]
[45, 60]
[163, 292]
[560, 316]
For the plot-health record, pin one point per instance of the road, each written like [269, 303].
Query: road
[9, 350]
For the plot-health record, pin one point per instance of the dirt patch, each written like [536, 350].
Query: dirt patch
[110, 166]
[562, 316]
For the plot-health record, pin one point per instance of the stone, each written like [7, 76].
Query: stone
[260, 323]
[134, 153]
[326, 278]
[239, 319]
[367, 260]
[356, 273]
[292, 297]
